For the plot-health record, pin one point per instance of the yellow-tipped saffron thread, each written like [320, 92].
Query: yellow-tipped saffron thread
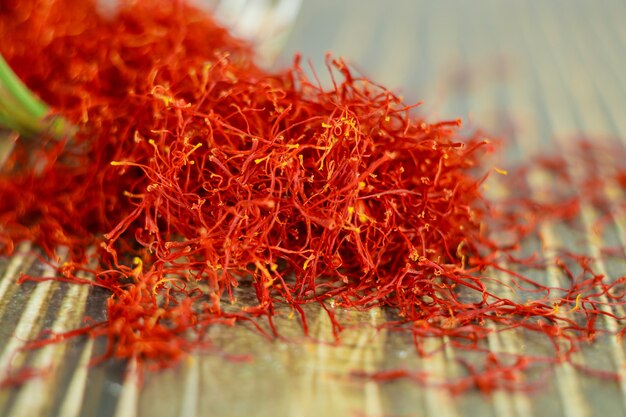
[577, 305]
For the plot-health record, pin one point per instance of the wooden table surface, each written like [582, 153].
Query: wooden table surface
[537, 72]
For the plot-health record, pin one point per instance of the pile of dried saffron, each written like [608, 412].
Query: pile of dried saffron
[193, 169]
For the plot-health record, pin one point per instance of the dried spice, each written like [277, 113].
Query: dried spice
[191, 170]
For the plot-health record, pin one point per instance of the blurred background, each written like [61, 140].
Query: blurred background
[553, 66]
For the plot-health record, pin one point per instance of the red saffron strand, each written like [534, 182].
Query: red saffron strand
[201, 178]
